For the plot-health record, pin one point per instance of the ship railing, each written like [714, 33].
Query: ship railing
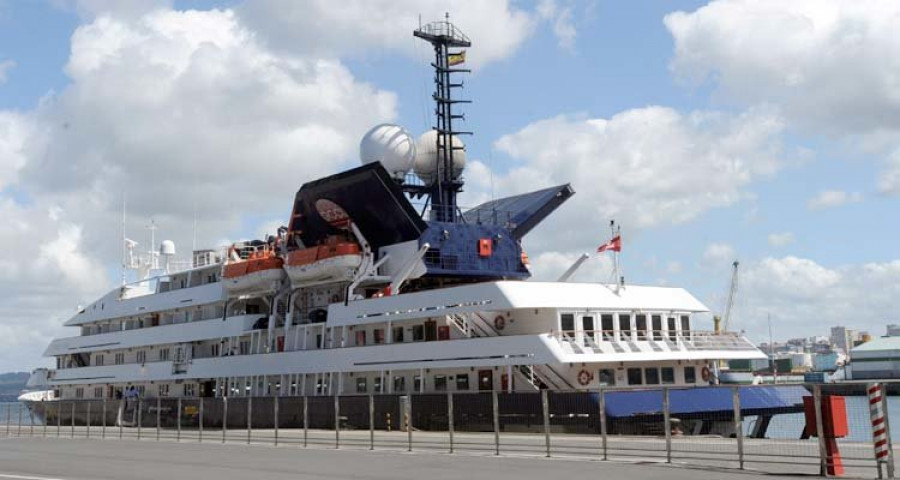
[589, 341]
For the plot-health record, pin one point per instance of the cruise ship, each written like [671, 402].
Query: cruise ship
[380, 283]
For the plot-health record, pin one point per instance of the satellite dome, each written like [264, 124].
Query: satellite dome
[426, 165]
[391, 145]
[167, 247]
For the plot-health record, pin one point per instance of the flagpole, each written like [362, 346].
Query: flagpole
[612, 229]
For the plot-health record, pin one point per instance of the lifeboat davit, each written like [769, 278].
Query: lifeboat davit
[260, 272]
[335, 261]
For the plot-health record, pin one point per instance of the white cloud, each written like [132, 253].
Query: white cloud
[644, 167]
[806, 298]
[718, 254]
[832, 198]
[781, 239]
[890, 178]
[830, 66]
[562, 22]
[360, 27]
[15, 131]
[5, 67]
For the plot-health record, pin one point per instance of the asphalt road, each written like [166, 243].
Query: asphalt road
[65, 459]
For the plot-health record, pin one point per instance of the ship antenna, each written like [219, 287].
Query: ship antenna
[444, 36]
[124, 241]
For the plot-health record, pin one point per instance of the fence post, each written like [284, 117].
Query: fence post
[8, 418]
[71, 433]
[224, 419]
[887, 431]
[601, 404]
[408, 415]
[19, 428]
[371, 422]
[275, 414]
[158, 408]
[59, 419]
[337, 421]
[88, 421]
[46, 412]
[450, 418]
[817, 402]
[178, 421]
[200, 426]
[738, 424]
[120, 414]
[140, 418]
[103, 421]
[249, 417]
[667, 424]
[545, 409]
[305, 419]
[496, 407]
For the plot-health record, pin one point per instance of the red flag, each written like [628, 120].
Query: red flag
[615, 245]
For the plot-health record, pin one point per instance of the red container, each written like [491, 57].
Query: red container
[834, 416]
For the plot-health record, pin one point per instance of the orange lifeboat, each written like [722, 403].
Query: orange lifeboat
[255, 270]
[334, 261]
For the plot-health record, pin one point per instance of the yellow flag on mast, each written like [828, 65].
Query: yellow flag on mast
[456, 58]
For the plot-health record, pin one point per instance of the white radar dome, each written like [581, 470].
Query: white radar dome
[391, 145]
[426, 166]
[167, 247]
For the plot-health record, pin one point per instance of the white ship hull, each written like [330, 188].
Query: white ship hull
[341, 268]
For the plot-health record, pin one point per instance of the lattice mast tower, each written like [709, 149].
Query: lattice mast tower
[445, 37]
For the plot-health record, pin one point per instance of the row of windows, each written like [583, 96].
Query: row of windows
[139, 357]
[647, 376]
[460, 382]
[627, 324]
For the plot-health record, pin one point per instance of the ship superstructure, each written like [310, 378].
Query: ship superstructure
[364, 291]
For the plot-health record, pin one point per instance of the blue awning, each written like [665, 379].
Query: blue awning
[754, 400]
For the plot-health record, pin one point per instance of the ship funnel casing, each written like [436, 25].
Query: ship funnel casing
[426, 165]
[390, 144]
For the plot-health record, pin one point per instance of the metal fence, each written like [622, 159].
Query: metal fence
[761, 428]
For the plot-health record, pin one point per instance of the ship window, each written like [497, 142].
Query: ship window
[98, 392]
[378, 336]
[607, 376]
[360, 338]
[417, 383]
[668, 375]
[587, 324]
[361, 385]
[657, 327]
[318, 340]
[440, 383]
[635, 376]
[685, 324]
[641, 321]
[462, 382]
[189, 389]
[164, 353]
[652, 376]
[141, 356]
[399, 384]
[672, 328]
[690, 375]
[606, 324]
[163, 389]
[79, 393]
[98, 360]
[120, 358]
[142, 389]
[376, 385]
[567, 323]
[625, 325]
[398, 335]
[418, 333]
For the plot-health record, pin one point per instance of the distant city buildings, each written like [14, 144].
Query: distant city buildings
[893, 330]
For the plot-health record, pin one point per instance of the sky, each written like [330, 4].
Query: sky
[766, 132]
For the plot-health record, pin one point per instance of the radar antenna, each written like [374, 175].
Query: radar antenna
[444, 36]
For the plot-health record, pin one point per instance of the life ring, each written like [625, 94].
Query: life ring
[499, 322]
[704, 374]
[584, 377]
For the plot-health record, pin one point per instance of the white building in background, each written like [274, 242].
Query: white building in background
[893, 330]
[842, 338]
[876, 359]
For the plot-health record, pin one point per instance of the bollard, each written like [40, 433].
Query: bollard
[200, 424]
[738, 425]
[496, 413]
[305, 420]
[667, 424]
[275, 413]
[450, 418]
[337, 422]
[178, 421]
[224, 418]
[371, 422]
[545, 410]
[158, 408]
[601, 404]
[249, 415]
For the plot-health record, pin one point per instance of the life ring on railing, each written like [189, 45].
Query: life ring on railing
[704, 374]
[584, 377]
[499, 322]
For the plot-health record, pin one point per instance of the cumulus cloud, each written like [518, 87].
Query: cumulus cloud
[360, 27]
[718, 254]
[832, 198]
[562, 23]
[781, 239]
[643, 167]
[15, 131]
[830, 66]
[805, 297]
[5, 67]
